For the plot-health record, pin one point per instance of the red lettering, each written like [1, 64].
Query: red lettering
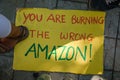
[82, 20]
[74, 19]
[43, 34]
[32, 17]
[76, 36]
[39, 18]
[63, 19]
[87, 19]
[82, 36]
[26, 17]
[51, 17]
[32, 33]
[39, 34]
[56, 18]
[63, 36]
[101, 20]
[71, 35]
[46, 35]
[90, 37]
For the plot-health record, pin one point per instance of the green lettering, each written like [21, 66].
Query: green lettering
[72, 53]
[60, 58]
[82, 55]
[32, 49]
[40, 49]
[53, 52]
[90, 52]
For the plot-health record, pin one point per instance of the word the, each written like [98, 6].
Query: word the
[69, 52]
[76, 36]
[87, 20]
[39, 34]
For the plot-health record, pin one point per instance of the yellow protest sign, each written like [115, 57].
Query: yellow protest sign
[61, 41]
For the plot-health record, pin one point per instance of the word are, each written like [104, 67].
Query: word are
[57, 18]
[76, 36]
[87, 20]
[39, 34]
[66, 53]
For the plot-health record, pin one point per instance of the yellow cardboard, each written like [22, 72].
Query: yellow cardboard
[61, 41]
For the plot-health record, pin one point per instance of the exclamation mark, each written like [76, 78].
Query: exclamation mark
[90, 52]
